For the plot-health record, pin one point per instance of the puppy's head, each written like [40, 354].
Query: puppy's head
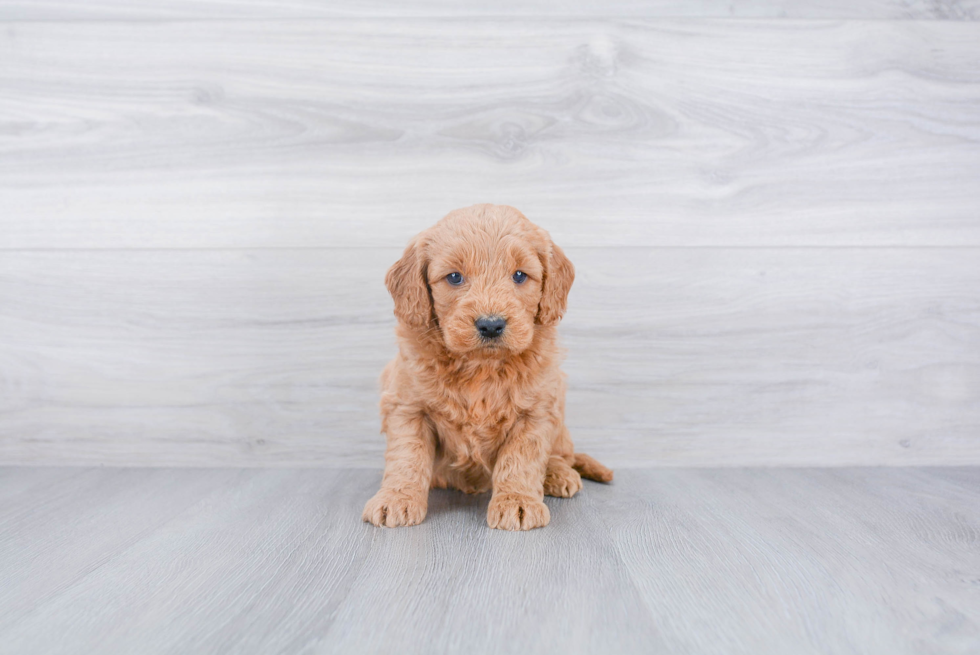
[481, 279]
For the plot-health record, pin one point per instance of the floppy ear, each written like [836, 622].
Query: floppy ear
[558, 277]
[408, 287]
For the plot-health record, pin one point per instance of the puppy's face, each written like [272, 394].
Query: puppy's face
[482, 277]
[485, 288]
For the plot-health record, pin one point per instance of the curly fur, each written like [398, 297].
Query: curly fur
[461, 411]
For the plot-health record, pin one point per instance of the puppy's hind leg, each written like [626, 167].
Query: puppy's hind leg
[560, 479]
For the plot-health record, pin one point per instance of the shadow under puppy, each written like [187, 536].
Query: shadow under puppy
[475, 399]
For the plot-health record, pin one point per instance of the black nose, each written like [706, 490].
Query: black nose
[490, 327]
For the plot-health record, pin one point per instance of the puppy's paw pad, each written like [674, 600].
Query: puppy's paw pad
[392, 509]
[562, 482]
[517, 512]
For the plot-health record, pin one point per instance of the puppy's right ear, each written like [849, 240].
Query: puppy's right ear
[558, 277]
[408, 287]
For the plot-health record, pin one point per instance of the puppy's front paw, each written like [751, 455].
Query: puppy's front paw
[562, 481]
[392, 509]
[517, 512]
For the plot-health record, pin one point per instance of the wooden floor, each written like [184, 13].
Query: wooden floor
[751, 561]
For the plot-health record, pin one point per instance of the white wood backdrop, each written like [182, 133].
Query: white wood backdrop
[776, 221]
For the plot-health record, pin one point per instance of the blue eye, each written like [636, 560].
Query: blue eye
[454, 279]
[520, 276]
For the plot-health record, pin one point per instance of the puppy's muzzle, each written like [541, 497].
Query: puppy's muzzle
[490, 327]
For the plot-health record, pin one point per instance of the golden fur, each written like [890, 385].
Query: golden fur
[468, 412]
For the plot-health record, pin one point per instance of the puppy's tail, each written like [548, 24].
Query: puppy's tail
[591, 469]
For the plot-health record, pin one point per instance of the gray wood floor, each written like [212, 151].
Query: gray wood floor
[725, 561]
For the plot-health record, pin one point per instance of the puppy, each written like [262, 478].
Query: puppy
[475, 399]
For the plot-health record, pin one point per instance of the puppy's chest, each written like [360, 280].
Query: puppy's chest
[482, 411]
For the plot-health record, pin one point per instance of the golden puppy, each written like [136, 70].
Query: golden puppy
[475, 399]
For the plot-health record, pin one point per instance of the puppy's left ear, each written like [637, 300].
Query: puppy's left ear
[407, 285]
[558, 277]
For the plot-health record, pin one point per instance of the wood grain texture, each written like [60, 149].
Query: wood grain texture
[269, 9]
[744, 539]
[676, 356]
[754, 561]
[362, 132]
[774, 220]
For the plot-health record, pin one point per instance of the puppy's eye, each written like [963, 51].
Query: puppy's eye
[520, 276]
[454, 279]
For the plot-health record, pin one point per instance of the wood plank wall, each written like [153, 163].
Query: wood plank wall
[773, 207]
